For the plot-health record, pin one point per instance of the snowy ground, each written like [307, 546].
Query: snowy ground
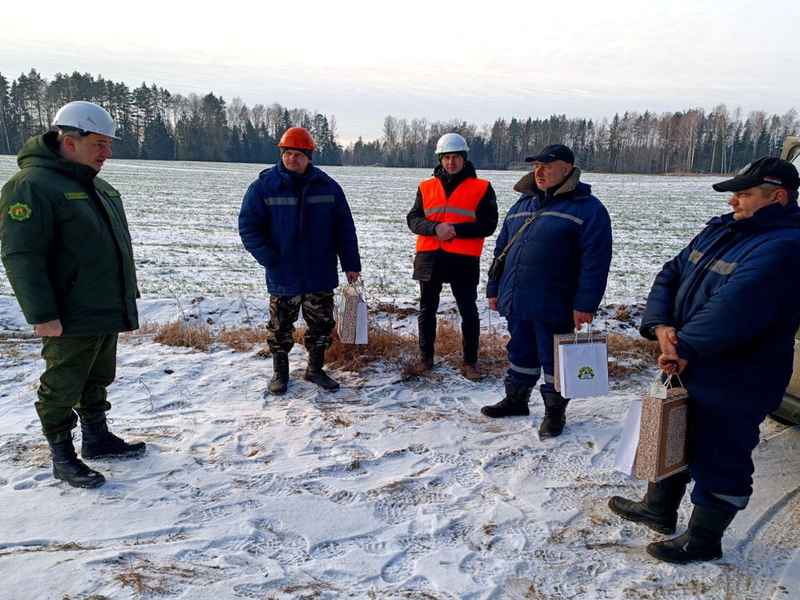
[385, 489]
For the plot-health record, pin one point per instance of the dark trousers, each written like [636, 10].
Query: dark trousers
[466, 296]
[530, 352]
[317, 313]
[77, 372]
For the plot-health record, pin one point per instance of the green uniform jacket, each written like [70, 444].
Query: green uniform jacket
[65, 244]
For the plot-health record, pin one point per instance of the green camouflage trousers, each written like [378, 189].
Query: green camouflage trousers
[317, 313]
[77, 372]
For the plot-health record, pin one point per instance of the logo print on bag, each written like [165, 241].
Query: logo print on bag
[586, 373]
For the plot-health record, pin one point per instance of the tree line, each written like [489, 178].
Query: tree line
[691, 141]
[153, 123]
[156, 124]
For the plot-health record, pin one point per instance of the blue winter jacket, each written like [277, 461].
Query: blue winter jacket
[733, 294]
[295, 227]
[560, 262]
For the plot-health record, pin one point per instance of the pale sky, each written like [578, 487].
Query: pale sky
[474, 61]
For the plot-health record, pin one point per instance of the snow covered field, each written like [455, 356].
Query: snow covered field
[385, 489]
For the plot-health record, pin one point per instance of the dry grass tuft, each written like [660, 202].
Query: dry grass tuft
[384, 344]
[242, 339]
[623, 313]
[140, 582]
[492, 357]
[629, 355]
[146, 577]
[184, 335]
[390, 308]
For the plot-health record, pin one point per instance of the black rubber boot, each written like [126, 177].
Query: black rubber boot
[99, 442]
[701, 542]
[280, 374]
[658, 510]
[68, 467]
[555, 408]
[314, 372]
[515, 403]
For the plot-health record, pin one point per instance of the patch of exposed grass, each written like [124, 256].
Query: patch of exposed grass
[630, 355]
[626, 354]
[186, 335]
[242, 339]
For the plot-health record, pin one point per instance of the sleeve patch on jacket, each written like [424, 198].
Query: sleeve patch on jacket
[20, 211]
[695, 256]
[76, 195]
[723, 267]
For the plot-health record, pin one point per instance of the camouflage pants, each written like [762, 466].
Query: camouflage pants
[77, 372]
[317, 313]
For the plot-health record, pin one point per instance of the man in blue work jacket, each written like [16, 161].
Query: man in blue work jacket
[554, 277]
[296, 222]
[725, 313]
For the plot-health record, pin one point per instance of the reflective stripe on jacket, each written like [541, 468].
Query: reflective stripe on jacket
[459, 207]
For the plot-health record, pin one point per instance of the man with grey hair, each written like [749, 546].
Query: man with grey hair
[66, 249]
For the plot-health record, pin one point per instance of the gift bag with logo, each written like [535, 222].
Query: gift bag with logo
[662, 449]
[581, 364]
[353, 315]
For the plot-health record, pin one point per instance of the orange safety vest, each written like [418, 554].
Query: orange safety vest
[460, 207]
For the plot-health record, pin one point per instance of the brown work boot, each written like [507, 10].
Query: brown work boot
[419, 367]
[470, 371]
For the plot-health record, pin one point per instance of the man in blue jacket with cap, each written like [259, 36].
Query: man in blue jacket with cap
[725, 313]
[554, 277]
[296, 222]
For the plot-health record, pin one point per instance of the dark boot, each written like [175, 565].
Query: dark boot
[515, 403]
[470, 371]
[658, 510]
[555, 407]
[420, 367]
[68, 467]
[99, 442]
[314, 372]
[701, 542]
[280, 373]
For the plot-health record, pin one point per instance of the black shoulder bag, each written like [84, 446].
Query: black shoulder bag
[499, 262]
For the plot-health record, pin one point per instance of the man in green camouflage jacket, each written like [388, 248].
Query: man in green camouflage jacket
[67, 252]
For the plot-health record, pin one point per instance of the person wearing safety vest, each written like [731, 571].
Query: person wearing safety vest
[296, 223]
[554, 277]
[67, 253]
[453, 213]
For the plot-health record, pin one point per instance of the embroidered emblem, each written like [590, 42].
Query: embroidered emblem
[586, 373]
[19, 211]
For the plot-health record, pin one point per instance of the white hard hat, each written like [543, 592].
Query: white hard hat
[451, 142]
[86, 117]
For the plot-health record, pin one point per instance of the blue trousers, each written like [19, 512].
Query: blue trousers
[530, 351]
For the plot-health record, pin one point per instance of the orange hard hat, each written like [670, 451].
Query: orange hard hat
[297, 137]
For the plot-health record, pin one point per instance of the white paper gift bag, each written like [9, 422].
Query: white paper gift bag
[362, 323]
[582, 361]
[353, 315]
[629, 442]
